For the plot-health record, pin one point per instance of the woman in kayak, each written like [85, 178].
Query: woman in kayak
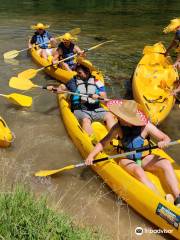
[42, 39]
[174, 26]
[65, 49]
[87, 109]
[133, 128]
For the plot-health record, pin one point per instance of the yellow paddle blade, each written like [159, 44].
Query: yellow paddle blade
[29, 73]
[12, 61]
[21, 84]
[10, 54]
[19, 99]
[45, 173]
[75, 31]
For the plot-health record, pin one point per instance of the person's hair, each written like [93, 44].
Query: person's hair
[83, 68]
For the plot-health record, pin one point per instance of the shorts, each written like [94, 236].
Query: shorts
[95, 115]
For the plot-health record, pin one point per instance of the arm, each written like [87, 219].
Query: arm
[153, 131]
[57, 55]
[79, 51]
[99, 146]
[53, 42]
[173, 44]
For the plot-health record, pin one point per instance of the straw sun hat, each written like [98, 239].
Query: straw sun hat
[172, 26]
[129, 111]
[39, 26]
[68, 37]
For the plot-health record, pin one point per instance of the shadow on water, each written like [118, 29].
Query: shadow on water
[41, 140]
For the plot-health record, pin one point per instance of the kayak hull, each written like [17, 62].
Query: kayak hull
[153, 81]
[5, 134]
[136, 194]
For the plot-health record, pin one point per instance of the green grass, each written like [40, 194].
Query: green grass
[23, 217]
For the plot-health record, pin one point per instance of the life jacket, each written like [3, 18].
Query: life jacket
[85, 87]
[67, 52]
[42, 40]
[132, 139]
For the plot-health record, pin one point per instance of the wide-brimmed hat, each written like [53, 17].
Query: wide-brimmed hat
[68, 37]
[39, 26]
[174, 23]
[129, 111]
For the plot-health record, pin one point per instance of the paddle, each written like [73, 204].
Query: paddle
[15, 53]
[30, 73]
[27, 84]
[44, 173]
[19, 99]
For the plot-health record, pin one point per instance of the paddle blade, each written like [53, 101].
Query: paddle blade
[19, 99]
[45, 173]
[28, 74]
[11, 54]
[75, 31]
[20, 84]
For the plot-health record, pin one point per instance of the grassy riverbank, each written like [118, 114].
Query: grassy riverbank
[23, 217]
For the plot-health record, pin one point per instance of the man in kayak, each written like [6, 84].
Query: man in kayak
[42, 39]
[87, 109]
[133, 128]
[65, 49]
[174, 26]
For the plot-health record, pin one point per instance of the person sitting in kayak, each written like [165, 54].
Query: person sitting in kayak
[42, 38]
[87, 109]
[133, 128]
[174, 26]
[65, 49]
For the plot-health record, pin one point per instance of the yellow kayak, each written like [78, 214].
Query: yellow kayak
[58, 73]
[153, 81]
[153, 207]
[6, 136]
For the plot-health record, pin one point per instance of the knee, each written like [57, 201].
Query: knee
[165, 165]
[139, 173]
[86, 121]
[109, 117]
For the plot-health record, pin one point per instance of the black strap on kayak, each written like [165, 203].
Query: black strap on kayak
[157, 100]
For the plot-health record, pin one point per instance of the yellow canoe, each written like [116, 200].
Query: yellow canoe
[153, 80]
[59, 73]
[5, 134]
[153, 207]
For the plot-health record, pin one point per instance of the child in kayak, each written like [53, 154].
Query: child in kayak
[42, 38]
[87, 109]
[65, 49]
[133, 128]
[174, 26]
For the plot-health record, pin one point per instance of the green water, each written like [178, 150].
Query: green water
[41, 139]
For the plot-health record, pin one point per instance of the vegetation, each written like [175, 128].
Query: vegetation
[23, 217]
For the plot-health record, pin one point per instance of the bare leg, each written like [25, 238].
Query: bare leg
[137, 171]
[86, 125]
[153, 163]
[110, 120]
[65, 66]
[43, 54]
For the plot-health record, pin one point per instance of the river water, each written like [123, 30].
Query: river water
[41, 140]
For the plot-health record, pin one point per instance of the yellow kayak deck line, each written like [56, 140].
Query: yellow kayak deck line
[6, 136]
[153, 81]
[153, 207]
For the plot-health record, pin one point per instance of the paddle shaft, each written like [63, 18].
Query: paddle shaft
[137, 150]
[70, 57]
